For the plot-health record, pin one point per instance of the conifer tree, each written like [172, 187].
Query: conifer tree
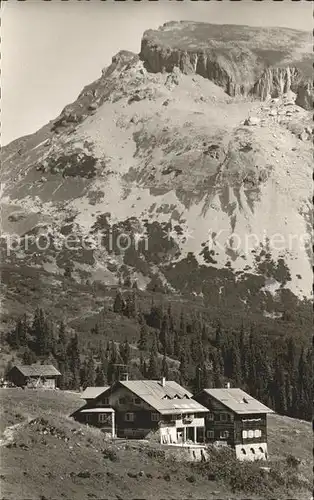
[73, 354]
[165, 368]
[125, 352]
[153, 368]
[100, 377]
[29, 357]
[278, 388]
[183, 325]
[142, 365]
[90, 373]
[119, 304]
[164, 333]
[143, 341]
[127, 282]
[217, 369]
[218, 334]
[114, 359]
[183, 368]
[39, 331]
[235, 364]
[177, 345]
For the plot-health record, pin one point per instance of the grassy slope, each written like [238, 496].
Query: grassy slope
[48, 465]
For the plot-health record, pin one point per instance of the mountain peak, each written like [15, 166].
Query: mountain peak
[241, 59]
[155, 149]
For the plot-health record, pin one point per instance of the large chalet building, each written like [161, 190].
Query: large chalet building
[161, 410]
[236, 419]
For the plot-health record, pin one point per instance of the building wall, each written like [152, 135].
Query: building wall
[250, 424]
[93, 419]
[41, 382]
[16, 377]
[20, 380]
[235, 425]
[214, 428]
[136, 418]
[251, 452]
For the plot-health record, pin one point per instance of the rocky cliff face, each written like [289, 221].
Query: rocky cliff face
[168, 179]
[252, 61]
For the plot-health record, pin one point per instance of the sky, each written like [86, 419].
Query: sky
[51, 50]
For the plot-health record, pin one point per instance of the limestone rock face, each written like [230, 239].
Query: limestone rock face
[242, 60]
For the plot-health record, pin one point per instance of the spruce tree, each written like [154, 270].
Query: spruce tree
[100, 377]
[235, 364]
[183, 325]
[119, 304]
[125, 352]
[29, 357]
[39, 331]
[183, 369]
[177, 345]
[153, 368]
[164, 333]
[217, 369]
[90, 373]
[278, 388]
[73, 354]
[218, 334]
[114, 359]
[142, 366]
[143, 341]
[165, 368]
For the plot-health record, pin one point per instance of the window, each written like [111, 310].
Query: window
[103, 417]
[137, 401]
[88, 417]
[155, 417]
[210, 416]
[122, 401]
[244, 434]
[106, 401]
[250, 434]
[223, 417]
[224, 434]
[210, 434]
[257, 433]
[129, 417]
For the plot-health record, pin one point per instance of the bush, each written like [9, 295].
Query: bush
[191, 479]
[110, 454]
[84, 474]
[249, 477]
[292, 461]
[156, 454]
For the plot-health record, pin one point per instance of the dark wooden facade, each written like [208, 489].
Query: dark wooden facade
[224, 425]
[134, 417]
[31, 381]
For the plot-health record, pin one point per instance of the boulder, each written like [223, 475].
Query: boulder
[252, 121]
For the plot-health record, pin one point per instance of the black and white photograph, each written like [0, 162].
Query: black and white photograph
[156, 250]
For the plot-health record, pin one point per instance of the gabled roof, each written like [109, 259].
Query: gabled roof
[167, 399]
[93, 392]
[36, 370]
[238, 401]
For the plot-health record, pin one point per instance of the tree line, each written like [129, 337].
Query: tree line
[277, 371]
